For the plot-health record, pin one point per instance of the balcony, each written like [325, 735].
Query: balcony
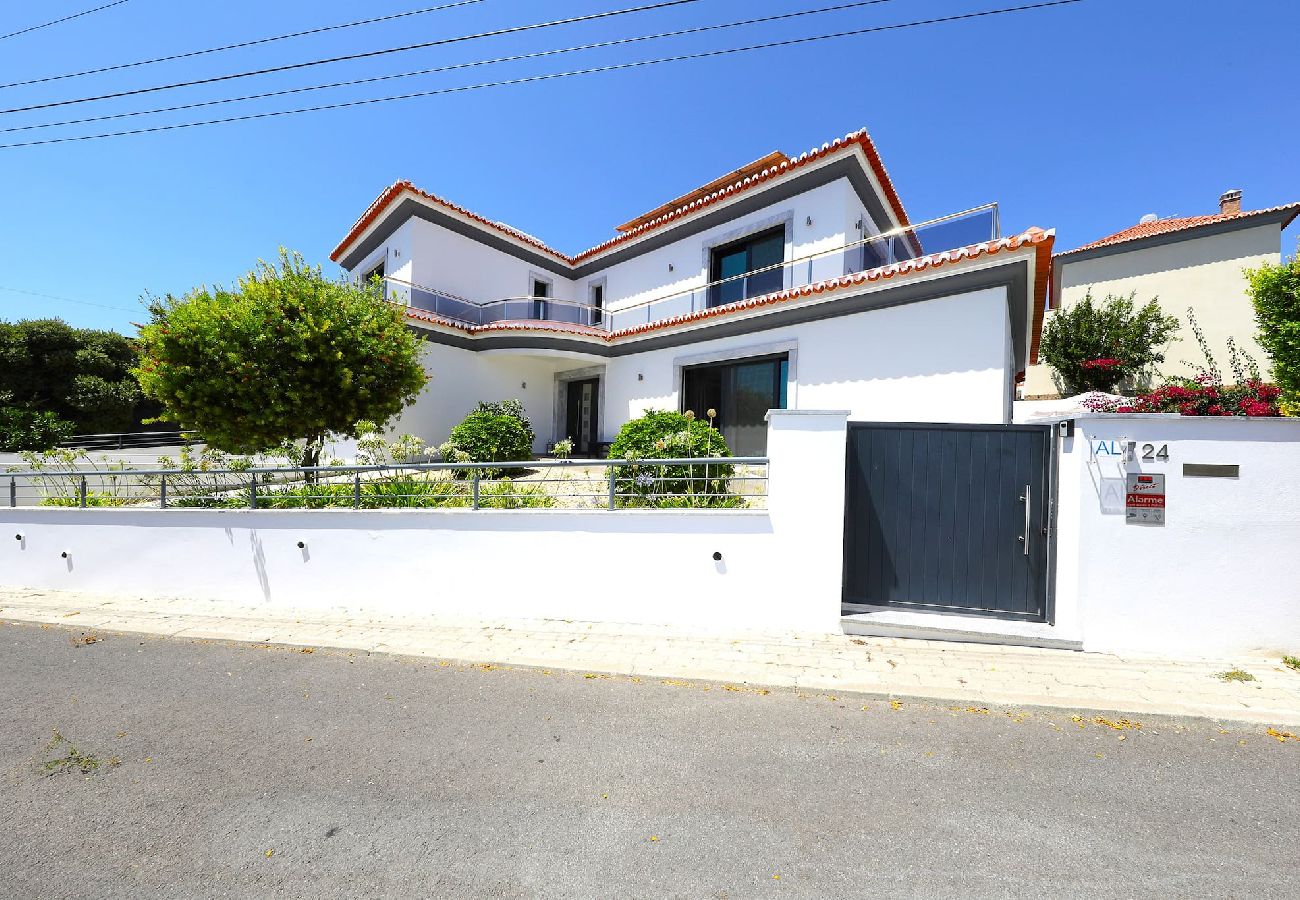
[949, 232]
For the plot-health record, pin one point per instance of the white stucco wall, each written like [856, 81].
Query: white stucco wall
[1203, 273]
[446, 261]
[779, 568]
[1218, 579]
[459, 379]
[935, 361]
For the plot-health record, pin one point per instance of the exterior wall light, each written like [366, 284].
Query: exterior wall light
[717, 556]
[640, 376]
[523, 385]
[302, 545]
[670, 267]
[18, 537]
[808, 220]
[64, 554]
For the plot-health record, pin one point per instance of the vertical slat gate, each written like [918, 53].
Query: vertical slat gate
[935, 518]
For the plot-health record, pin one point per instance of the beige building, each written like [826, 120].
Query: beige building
[1194, 261]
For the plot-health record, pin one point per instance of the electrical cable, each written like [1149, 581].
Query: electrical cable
[253, 43]
[549, 76]
[615, 42]
[288, 67]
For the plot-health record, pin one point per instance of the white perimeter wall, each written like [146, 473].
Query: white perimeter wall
[941, 360]
[780, 568]
[1220, 577]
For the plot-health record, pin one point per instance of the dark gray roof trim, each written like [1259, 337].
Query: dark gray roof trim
[1013, 275]
[781, 189]
[1281, 217]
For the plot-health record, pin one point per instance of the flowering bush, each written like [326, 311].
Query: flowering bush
[670, 435]
[1095, 346]
[1199, 397]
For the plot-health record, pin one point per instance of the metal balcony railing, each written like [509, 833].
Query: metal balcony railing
[948, 232]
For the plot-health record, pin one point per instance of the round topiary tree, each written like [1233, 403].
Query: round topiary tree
[489, 437]
[670, 435]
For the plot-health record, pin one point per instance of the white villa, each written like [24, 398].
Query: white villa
[790, 283]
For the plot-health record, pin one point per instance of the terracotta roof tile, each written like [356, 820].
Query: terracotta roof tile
[1166, 226]
[858, 139]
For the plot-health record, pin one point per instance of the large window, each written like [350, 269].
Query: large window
[759, 251]
[740, 393]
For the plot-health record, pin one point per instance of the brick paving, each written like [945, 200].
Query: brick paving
[893, 667]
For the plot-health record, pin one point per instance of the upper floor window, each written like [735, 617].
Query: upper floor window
[597, 304]
[541, 290]
[737, 265]
[376, 272]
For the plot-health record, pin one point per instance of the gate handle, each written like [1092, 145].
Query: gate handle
[1025, 537]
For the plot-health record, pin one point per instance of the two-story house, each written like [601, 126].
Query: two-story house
[792, 282]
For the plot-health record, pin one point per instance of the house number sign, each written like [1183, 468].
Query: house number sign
[1144, 499]
[1116, 450]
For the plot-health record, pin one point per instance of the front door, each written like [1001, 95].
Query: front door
[949, 518]
[582, 416]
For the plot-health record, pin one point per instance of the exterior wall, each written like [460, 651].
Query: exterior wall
[648, 276]
[443, 260]
[1203, 273]
[395, 254]
[1217, 579]
[936, 361]
[459, 379]
[779, 568]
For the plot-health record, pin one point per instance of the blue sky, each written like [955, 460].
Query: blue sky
[1081, 118]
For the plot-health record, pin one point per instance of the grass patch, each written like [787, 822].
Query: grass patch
[72, 760]
[1235, 675]
[1291, 662]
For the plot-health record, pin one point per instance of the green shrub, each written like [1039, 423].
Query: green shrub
[1095, 346]
[26, 429]
[490, 437]
[514, 408]
[1275, 292]
[670, 435]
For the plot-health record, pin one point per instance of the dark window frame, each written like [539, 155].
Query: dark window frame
[725, 405]
[767, 282]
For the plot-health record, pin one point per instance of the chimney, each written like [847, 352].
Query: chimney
[1230, 203]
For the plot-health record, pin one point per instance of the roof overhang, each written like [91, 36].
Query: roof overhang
[1281, 216]
[853, 156]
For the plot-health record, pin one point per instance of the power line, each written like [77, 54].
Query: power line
[84, 12]
[615, 42]
[514, 29]
[67, 299]
[238, 46]
[547, 77]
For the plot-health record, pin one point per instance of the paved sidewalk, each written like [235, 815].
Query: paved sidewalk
[965, 673]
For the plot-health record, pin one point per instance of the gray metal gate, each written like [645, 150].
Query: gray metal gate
[949, 518]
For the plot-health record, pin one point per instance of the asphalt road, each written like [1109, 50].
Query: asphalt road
[242, 771]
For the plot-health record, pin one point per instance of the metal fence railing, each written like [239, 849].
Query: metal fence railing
[685, 483]
[129, 440]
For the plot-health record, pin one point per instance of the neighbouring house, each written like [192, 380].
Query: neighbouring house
[790, 283]
[1190, 261]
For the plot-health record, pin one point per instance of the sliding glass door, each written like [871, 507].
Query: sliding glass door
[740, 393]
